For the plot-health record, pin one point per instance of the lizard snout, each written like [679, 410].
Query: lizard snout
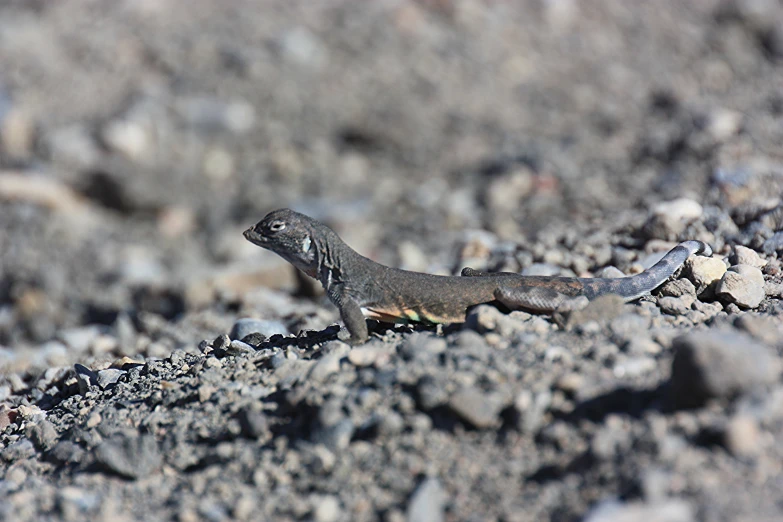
[253, 236]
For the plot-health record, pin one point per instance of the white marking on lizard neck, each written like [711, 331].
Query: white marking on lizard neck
[306, 245]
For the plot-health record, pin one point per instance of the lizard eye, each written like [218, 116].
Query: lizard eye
[277, 226]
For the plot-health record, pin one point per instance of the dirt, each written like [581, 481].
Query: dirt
[138, 140]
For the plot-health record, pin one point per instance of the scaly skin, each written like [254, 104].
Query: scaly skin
[361, 288]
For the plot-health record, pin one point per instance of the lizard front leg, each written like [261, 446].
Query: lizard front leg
[539, 299]
[355, 323]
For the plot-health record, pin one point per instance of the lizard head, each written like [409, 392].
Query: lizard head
[289, 234]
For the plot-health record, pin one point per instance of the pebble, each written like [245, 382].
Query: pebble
[324, 367]
[422, 346]
[773, 244]
[475, 408]
[85, 378]
[676, 305]
[671, 510]
[327, 509]
[742, 436]
[742, 285]
[43, 435]
[602, 309]
[130, 138]
[368, 355]
[240, 348]
[668, 219]
[718, 364]
[66, 452]
[79, 339]
[254, 423]
[109, 376]
[611, 272]
[704, 271]
[130, 456]
[246, 326]
[746, 256]
[679, 288]
[427, 502]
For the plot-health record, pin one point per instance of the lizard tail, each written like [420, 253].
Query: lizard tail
[633, 287]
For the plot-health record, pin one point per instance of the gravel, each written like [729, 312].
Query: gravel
[154, 365]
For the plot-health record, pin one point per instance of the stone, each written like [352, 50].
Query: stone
[671, 510]
[254, 423]
[324, 367]
[773, 244]
[679, 288]
[718, 364]
[368, 355]
[130, 456]
[240, 348]
[704, 272]
[676, 305]
[475, 408]
[668, 219]
[742, 436]
[327, 509]
[427, 502]
[109, 376]
[746, 256]
[43, 435]
[743, 285]
[85, 378]
[246, 326]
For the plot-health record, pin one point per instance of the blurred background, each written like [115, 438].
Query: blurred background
[139, 138]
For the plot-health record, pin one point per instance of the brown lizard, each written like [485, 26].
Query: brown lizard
[361, 288]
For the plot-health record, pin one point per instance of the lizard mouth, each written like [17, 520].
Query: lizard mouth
[253, 236]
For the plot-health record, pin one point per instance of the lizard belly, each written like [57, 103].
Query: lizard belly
[410, 315]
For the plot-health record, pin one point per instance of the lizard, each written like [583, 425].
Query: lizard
[362, 288]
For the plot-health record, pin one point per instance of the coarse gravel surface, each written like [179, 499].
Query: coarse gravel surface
[154, 365]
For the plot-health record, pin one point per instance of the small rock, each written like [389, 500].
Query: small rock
[611, 272]
[773, 244]
[423, 346]
[718, 364]
[66, 452]
[746, 256]
[427, 502]
[130, 456]
[326, 366]
[85, 377]
[704, 271]
[430, 393]
[679, 288]
[327, 509]
[742, 285]
[254, 423]
[254, 339]
[130, 138]
[670, 218]
[43, 435]
[742, 437]
[221, 342]
[109, 376]
[21, 449]
[672, 510]
[475, 408]
[240, 348]
[676, 305]
[336, 436]
[246, 326]
[369, 354]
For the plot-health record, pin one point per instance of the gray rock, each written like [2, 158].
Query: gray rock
[741, 286]
[326, 366]
[422, 346]
[676, 305]
[240, 348]
[246, 326]
[604, 308]
[327, 509]
[430, 393]
[679, 288]
[475, 408]
[672, 510]
[254, 423]
[427, 502]
[742, 436]
[43, 435]
[336, 436]
[718, 364]
[109, 376]
[21, 449]
[221, 342]
[79, 339]
[773, 244]
[611, 272]
[66, 452]
[131, 456]
[85, 377]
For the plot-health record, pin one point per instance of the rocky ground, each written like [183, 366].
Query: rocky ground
[156, 366]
